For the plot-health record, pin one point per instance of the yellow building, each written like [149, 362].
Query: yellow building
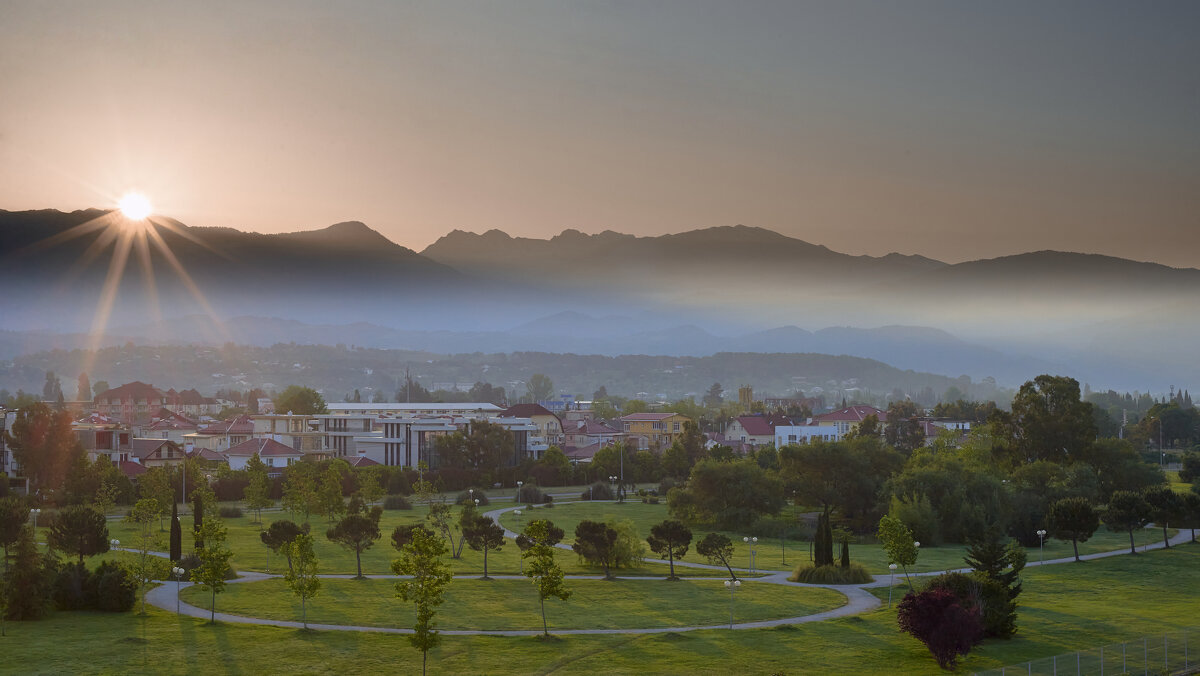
[653, 430]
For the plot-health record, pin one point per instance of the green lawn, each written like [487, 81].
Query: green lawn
[769, 554]
[513, 604]
[249, 553]
[1064, 607]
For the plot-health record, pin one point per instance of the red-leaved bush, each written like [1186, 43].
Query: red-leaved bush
[935, 618]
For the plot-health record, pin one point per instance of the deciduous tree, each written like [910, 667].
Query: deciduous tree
[357, 531]
[300, 401]
[542, 569]
[257, 494]
[429, 575]
[897, 541]
[79, 530]
[1126, 511]
[43, 444]
[1165, 507]
[483, 534]
[1073, 519]
[280, 535]
[302, 577]
[936, 618]
[214, 562]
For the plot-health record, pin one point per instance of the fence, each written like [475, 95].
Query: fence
[1176, 652]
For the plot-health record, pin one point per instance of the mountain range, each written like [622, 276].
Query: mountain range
[734, 288]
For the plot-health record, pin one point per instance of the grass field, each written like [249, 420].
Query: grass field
[513, 604]
[1064, 607]
[769, 554]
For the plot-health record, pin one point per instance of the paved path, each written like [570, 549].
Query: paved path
[858, 599]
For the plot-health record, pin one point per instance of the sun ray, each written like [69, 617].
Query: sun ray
[106, 238]
[108, 295]
[147, 265]
[106, 221]
[187, 280]
[168, 225]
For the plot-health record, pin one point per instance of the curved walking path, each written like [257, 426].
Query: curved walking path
[858, 599]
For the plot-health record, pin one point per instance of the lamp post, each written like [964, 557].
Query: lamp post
[732, 586]
[178, 573]
[471, 493]
[1041, 546]
[751, 542]
[518, 498]
[891, 581]
[114, 543]
[612, 480]
[34, 513]
[476, 502]
[916, 544]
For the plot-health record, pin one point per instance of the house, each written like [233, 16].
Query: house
[192, 402]
[578, 454]
[654, 430]
[131, 402]
[167, 424]
[475, 410]
[222, 435]
[754, 430]
[831, 426]
[549, 426]
[101, 435]
[155, 452]
[271, 452]
[132, 470]
[341, 430]
[301, 432]
[360, 461]
[588, 432]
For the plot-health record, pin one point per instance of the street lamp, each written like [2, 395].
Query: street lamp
[751, 542]
[476, 502]
[732, 586]
[178, 573]
[34, 513]
[518, 498]
[891, 581]
[1041, 546]
[612, 479]
[916, 544]
[115, 543]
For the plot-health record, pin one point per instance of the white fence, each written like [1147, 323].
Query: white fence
[1176, 652]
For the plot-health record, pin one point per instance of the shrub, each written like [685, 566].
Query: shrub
[230, 512]
[467, 497]
[597, 491]
[530, 494]
[652, 500]
[116, 590]
[74, 588]
[396, 502]
[188, 562]
[807, 573]
[935, 618]
[667, 484]
[987, 597]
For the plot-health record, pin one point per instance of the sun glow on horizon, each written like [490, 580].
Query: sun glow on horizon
[135, 206]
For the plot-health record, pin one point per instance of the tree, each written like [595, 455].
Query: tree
[542, 569]
[935, 618]
[156, 483]
[106, 497]
[1052, 423]
[83, 391]
[483, 534]
[26, 589]
[198, 517]
[402, 535]
[421, 560]
[43, 444]
[1165, 506]
[214, 561]
[440, 516]
[486, 446]
[329, 493]
[357, 531]
[898, 544]
[176, 546]
[595, 543]
[670, 540]
[300, 401]
[903, 431]
[302, 578]
[994, 558]
[280, 535]
[300, 489]
[539, 388]
[867, 428]
[79, 530]
[1126, 511]
[13, 517]
[257, 494]
[100, 387]
[718, 549]
[848, 476]
[823, 541]
[145, 567]
[713, 398]
[370, 484]
[548, 535]
[1191, 511]
[52, 389]
[728, 495]
[1073, 519]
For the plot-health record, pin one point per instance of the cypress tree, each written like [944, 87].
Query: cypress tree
[198, 518]
[176, 533]
[845, 552]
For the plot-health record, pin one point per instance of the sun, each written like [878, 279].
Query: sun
[134, 206]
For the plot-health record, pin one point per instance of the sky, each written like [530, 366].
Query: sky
[955, 130]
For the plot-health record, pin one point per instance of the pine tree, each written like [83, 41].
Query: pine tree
[845, 552]
[26, 589]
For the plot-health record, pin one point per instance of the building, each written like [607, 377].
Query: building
[341, 430]
[301, 432]
[131, 402]
[400, 409]
[653, 430]
[831, 426]
[222, 435]
[191, 402]
[155, 452]
[754, 430]
[587, 432]
[549, 425]
[8, 466]
[273, 454]
[405, 442]
[167, 424]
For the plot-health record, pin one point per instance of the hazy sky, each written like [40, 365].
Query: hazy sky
[953, 129]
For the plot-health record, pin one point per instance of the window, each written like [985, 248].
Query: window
[676, 427]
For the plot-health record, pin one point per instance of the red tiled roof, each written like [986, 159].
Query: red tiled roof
[143, 448]
[242, 424]
[757, 425]
[595, 427]
[264, 447]
[361, 461]
[582, 452]
[135, 390]
[131, 469]
[206, 454]
[852, 414]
